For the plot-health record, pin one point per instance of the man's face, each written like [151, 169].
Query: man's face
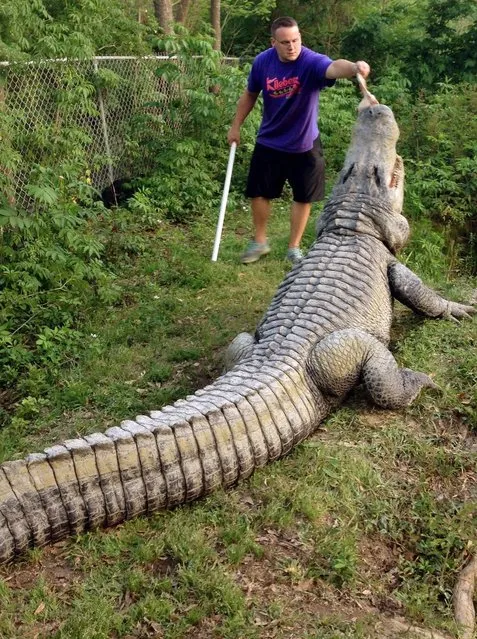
[287, 42]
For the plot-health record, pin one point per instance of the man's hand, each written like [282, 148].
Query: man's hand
[244, 106]
[234, 135]
[363, 68]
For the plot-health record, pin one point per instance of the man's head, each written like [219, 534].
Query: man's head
[286, 39]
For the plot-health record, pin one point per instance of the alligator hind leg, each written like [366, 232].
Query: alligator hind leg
[344, 358]
[239, 349]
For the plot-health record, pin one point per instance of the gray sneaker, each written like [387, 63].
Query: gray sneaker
[294, 255]
[254, 251]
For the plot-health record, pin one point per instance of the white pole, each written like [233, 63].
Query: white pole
[223, 205]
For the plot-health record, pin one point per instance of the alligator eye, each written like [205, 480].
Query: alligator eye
[376, 177]
[347, 174]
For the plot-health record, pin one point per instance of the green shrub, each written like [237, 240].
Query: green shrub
[439, 139]
[185, 172]
[52, 271]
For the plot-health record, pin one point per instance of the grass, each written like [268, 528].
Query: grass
[372, 517]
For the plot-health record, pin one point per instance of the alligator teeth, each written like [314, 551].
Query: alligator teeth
[397, 172]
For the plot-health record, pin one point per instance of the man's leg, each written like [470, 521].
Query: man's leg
[299, 217]
[260, 214]
[265, 181]
[258, 246]
[307, 179]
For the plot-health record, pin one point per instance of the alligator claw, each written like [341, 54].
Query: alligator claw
[459, 311]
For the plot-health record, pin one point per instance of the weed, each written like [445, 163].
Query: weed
[374, 502]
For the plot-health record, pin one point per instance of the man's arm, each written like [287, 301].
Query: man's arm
[346, 69]
[244, 106]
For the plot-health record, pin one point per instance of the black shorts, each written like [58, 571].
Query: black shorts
[270, 169]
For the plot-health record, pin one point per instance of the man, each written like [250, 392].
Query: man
[290, 77]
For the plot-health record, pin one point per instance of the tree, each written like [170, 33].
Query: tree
[215, 21]
[182, 11]
[428, 42]
[246, 26]
[164, 14]
[58, 29]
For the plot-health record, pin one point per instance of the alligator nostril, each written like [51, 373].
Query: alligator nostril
[347, 174]
[376, 177]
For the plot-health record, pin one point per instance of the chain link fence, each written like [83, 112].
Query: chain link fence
[82, 104]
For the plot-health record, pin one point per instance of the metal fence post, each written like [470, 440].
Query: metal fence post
[104, 125]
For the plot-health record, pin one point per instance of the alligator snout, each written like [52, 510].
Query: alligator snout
[379, 110]
[376, 122]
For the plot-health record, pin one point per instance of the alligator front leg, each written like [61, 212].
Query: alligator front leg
[343, 358]
[410, 291]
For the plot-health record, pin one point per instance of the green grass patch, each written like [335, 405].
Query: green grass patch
[372, 517]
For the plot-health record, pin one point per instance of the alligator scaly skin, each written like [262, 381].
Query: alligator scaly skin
[326, 329]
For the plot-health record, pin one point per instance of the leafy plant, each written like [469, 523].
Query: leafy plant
[186, 171]
[51, 256]
[439, 136]
[53, 29]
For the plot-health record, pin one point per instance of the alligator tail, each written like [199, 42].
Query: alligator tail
[214, 438]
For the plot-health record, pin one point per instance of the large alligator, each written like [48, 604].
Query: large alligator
[326, 329]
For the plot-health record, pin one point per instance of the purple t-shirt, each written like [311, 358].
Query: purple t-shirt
[291, 92]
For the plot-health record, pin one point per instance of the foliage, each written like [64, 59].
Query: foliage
[244, 8]
[51, 272]
[385, 37]
[428, 42]
[448, 49]
[439, 144]
[246, 26]
[322, 23]
[193, 163]
[51, 256]
[53, 29]
[336, 119]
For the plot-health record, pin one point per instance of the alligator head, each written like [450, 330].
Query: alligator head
[372, 175]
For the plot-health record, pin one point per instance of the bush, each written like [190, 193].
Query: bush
[51, 255]
[51, 274]
[439, 144]
[186, 172]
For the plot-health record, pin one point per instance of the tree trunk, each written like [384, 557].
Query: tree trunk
[215, 20]
[164, 15]
[182, 11]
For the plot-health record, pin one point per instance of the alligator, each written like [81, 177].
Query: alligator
[326, 330]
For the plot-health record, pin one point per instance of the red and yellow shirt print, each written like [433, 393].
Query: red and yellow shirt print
[287, 87]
